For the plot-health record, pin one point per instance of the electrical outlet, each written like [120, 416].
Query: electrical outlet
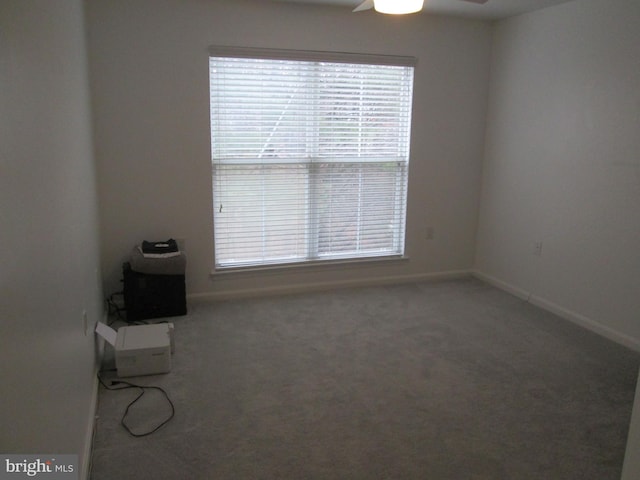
[537, 249]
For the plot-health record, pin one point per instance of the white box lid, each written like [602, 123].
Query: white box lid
[136, 337]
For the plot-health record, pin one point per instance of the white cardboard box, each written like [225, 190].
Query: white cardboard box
[140, 349]
[143, 350]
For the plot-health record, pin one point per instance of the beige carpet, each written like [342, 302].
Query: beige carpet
[446, 381]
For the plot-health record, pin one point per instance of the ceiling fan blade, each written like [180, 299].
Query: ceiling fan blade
[481, 2]
[366, 5]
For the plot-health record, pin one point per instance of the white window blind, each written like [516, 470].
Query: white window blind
[310, 158]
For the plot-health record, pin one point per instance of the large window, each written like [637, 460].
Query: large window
[310, 156]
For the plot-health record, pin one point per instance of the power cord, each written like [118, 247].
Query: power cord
[143, 389]
[113, 308]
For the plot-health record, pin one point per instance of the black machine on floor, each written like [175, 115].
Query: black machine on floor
[154, 281]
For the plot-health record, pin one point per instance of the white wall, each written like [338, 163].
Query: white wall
[149, 71]
[562, 163]
[49, 253]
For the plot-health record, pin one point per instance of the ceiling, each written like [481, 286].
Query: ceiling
[492, 10]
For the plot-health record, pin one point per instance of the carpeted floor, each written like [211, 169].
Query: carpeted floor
[447, 380]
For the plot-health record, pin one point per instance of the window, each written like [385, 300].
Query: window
[310, 155]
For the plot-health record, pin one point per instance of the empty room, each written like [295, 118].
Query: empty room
[406, 243]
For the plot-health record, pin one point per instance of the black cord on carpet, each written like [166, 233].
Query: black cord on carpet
[127, 385]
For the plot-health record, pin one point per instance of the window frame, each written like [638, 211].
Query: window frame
[330, 57]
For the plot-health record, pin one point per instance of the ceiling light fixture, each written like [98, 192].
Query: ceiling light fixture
[398, 7]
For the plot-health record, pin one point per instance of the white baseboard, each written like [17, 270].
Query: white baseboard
[587, 322]
[507, 287]
[85, 471]
[574, 317]
[323, 286]
[91, 423]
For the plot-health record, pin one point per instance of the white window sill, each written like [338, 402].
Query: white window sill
[319, 264]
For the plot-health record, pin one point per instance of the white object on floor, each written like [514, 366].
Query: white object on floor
[140, 349]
